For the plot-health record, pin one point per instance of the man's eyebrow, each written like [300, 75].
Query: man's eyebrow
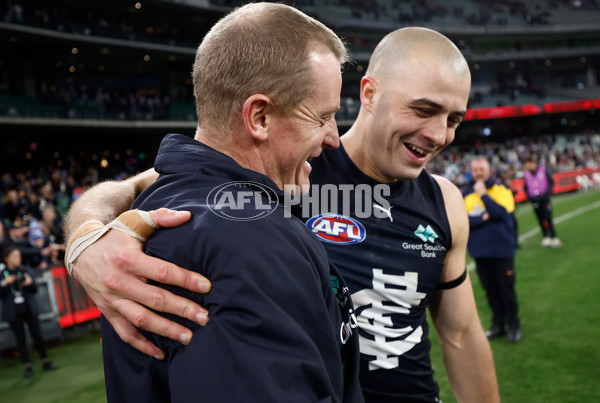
[330, 111]
[432, 104]
[426, 102]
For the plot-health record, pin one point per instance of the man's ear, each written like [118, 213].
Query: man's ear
[255, 113]
[368, 90]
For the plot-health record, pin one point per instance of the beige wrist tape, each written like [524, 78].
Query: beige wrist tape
[135, 223]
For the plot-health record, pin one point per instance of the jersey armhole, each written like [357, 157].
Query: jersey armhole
[454, 283]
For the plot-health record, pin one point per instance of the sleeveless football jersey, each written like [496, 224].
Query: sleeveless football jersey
[392, 260]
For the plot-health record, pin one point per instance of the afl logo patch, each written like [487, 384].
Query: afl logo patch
[338, 229]
[242, 201]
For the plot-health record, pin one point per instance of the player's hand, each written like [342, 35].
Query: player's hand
[114, 271]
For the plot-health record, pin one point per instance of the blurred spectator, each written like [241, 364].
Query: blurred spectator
[492, 244]
[15, 206]
[4, 238]
[39, 257]
[538, 187]
[52, 224]
[17, 291]
[14, 12]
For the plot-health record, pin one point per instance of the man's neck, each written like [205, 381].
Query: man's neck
[355, 147]
[238, 147]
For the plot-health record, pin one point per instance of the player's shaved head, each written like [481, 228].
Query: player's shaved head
[408, 44]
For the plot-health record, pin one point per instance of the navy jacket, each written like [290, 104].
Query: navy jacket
[280, 328]
[494, 238]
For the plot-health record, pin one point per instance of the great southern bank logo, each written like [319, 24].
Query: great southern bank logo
[429, 248]
[426, 233]
[242, 201]
[338, 229]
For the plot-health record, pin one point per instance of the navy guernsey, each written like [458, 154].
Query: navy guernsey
[392, 261]
[280, 325]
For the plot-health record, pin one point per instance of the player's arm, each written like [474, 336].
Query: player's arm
[114, 270]
[465, 349]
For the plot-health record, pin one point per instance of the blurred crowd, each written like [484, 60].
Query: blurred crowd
[33, 208]
[119, 102]
[90, 99]
[561, 153]
[101, 22]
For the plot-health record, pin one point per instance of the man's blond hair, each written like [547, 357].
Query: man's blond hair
[260, 48]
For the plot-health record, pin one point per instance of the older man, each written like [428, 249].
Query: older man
[267, 81]
[492, 244]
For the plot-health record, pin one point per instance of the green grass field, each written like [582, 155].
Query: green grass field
[558, 291]
[556, 362]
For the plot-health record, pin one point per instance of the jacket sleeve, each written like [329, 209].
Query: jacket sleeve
[270, 337]
[476, 221]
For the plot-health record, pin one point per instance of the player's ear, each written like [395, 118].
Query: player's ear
[255, 113]
[368, 90]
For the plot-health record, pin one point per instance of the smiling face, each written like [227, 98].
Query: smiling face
[480, 169]
[413, 98]
[309, 128]
[415, 117]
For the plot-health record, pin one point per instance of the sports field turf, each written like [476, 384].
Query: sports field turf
[556, 362]
[558, 291]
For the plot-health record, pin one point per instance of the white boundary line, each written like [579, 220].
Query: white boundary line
[558, 220]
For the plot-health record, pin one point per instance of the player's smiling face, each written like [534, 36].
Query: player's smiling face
[414, 117]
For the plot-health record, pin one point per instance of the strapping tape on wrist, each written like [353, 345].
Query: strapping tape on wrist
[135, 223]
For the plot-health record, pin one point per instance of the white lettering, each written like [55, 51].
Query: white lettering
[345, 190]
[380, 303]
[323, 226]
[362, 209]
[291, 197]
[226, 200]
[310, 202]
[346, 327]
[338, 228]
[329, 199]
[383, 207]
[353, 234]
[258, 202]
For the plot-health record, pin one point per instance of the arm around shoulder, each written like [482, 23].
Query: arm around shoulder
[114, 270]
[105, 201]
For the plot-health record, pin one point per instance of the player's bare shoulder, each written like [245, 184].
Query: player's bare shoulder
[449, 189]
[455, 206]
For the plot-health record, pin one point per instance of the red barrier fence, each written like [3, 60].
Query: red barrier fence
[74, 305]
[563, 182]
